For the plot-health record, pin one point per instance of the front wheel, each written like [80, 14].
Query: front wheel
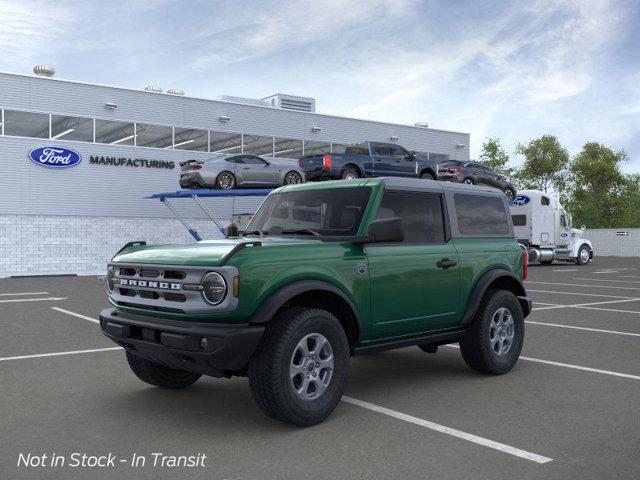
[584, 255]
[427, 176]
[468, 181]
[493, 342]
[299, 370]
[292, 178]
[159, 375]
[225, 180]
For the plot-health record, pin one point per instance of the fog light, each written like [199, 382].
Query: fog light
[214, 288]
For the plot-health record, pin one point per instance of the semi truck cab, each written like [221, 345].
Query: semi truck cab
[544, 227]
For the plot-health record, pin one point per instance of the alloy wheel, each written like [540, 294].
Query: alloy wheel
[226, 181]
[292, 178]
[501, 331]
[311, 366]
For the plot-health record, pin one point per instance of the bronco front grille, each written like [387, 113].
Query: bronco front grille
[161, 288]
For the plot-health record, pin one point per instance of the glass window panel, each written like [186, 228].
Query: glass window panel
[190, 139]
[258, 145]
[227, 143]
[421, 215]
[288, 148]
[72, 128]
[480, 215]
[338, 147]
[157, 136]
[312, 147]
[26, 124]
[115, 133]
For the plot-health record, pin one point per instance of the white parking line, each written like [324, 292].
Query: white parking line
[586, 305]
[22, 293]
[581, 294]
[574, 367]
[57, 354]
[604, 280]
[566, 270]
[573, 327]
[628, 276]
[47, 299]
[609, 310]
[579, 285]
[84, 317]
[485, 442]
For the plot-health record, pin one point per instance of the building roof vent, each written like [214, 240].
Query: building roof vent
[153, 88]
[175, 91]
[244, 100]
[44, 71]
[292, 102]
[422, 124]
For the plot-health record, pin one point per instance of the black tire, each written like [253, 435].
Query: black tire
[509, 192]
[427, 176]
[349, 173]
[476, 346]
[272, 386]
[225, 180]
[582, 258]
[546, 262]
[159, 375]
[469, 181]
[292, 178]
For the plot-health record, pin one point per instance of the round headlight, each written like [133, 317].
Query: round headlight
[214, 288]
[111, 272]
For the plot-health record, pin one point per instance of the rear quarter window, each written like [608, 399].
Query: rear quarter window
[519, 220]
[481, 215]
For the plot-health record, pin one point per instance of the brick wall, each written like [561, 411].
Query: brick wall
[51, 245]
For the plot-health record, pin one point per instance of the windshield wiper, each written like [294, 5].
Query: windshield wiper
[302, 231]
[255, 232]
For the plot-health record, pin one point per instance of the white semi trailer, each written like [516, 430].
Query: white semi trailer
[544, 228]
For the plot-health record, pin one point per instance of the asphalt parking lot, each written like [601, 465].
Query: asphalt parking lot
[568, 410]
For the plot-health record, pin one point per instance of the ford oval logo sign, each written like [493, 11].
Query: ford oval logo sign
[55, 157]
[521, 200]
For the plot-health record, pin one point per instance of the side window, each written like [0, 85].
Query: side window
[481, 215]
[253, 160]
[563, 221]
[396, 151]
[421, 214]
[544, 200]
[381, 149]
[519, 220]
[234, 160]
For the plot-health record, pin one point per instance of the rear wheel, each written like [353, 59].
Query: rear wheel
[292, 178]
[493, 342]
[159, 375]
[468, 181]
[349, 173]
[584, 256]
[225, 180]
[298, 372]
[427, 176]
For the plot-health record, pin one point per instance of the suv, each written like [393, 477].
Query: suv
[325, 271]
[474, 173]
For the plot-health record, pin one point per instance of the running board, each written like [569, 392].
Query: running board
[441, 338]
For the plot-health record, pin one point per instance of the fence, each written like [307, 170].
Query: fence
[614, 242]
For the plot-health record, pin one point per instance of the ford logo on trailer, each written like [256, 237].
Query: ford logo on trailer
[521, 200]
[55, 157]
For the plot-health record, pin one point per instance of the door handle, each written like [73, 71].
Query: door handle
[446, 263]
[246, 168]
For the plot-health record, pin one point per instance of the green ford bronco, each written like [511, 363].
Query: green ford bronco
[325, 271]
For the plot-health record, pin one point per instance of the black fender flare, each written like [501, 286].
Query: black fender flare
[277, 299]
[481, 287]
[428, 169]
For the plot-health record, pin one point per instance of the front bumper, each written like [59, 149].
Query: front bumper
[210, 349]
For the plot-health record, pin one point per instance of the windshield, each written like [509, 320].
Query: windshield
[326, 212]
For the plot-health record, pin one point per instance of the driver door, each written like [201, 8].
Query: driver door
[257, 171]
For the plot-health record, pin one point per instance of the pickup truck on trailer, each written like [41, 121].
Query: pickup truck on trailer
[325, 271]
[368, 159]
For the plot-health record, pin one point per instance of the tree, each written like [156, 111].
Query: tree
[545, 164]
[495, 157]
[631, 196]
[599, 192]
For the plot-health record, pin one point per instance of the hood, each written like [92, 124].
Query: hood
[205, 253]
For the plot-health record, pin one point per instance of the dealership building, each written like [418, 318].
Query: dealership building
[129, 144]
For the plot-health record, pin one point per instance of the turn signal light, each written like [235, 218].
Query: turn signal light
[326, 160]
[196, 167]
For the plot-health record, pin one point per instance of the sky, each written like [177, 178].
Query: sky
[514, 70]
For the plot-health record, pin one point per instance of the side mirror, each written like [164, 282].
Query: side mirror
[231, 231]
[385, 230]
